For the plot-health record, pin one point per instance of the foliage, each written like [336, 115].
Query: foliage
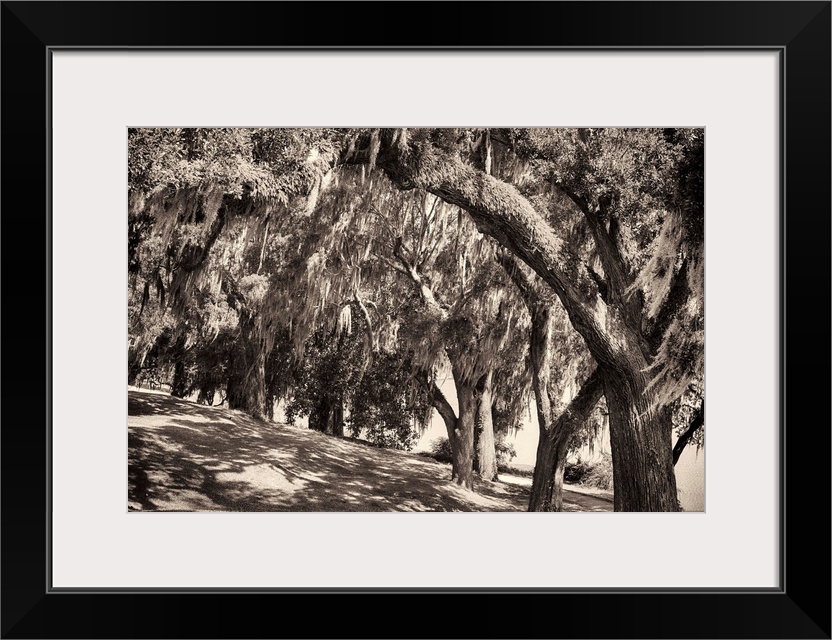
[592, 474]
[575, 470]
[330, 266]
[505, 450]
[330, 368]
[684, 411]
[515, 471]
[645, 188]
[600, 473]
[384, 408]
[440, 450]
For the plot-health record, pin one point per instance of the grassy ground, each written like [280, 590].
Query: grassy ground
[187, 457]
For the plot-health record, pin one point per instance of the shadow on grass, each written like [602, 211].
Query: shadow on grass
[188, 457]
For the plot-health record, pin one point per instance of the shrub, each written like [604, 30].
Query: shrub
[440, 450]
[574, 472]
[591, 474]
[505, 451]
[600, 473]
[515, 471]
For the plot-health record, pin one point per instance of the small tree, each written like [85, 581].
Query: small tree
[386, 409]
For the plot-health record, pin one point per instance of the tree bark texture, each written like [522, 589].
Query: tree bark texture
[460, 429]
[640, 440]
[486, 446]
[552, 449]
[556, 429]
[547, 483]
[462, 445]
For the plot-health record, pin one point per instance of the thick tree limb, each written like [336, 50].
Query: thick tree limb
[612, 333]
[416, 278]
[509, 263]
[500, 211]
[439, 402]
[579, 408]
[603, 288]
[615, 268]
[618, 278]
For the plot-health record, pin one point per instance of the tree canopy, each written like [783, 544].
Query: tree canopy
[341, 271]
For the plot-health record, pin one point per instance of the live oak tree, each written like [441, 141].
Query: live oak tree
[627, 184]
[204, 204]
[634, 294]
[559, 360]
[373, 232]
[556, 360]
[464, 317]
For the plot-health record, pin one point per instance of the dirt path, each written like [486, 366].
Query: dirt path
[187, 457]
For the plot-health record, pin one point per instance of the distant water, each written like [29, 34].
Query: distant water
[690, 479]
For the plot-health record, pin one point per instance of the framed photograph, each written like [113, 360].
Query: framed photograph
[386, 187]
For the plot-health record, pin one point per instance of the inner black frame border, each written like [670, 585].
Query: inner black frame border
[799, 31]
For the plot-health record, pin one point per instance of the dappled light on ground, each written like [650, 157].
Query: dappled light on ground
[188, 457]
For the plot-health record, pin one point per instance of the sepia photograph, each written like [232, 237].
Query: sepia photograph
[415, 319]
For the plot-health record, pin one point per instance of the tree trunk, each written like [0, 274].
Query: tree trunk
[179, 386]
[642, 452]
[206, 396]
[249, 394]
[246, 389]
[440, 403]
[335, 426]
[462, 444]
[328, 416]
[553, 446]
[460, 429]
[486, 446]
[133, 370]
[319, 416]
[547, 483]
[270, 400]
[555, 429]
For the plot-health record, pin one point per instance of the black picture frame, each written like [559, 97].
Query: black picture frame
[800, 608]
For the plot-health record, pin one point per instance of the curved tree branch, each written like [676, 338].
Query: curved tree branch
[438, 401]
[697, 423]
[368, 321]
[416, 278]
